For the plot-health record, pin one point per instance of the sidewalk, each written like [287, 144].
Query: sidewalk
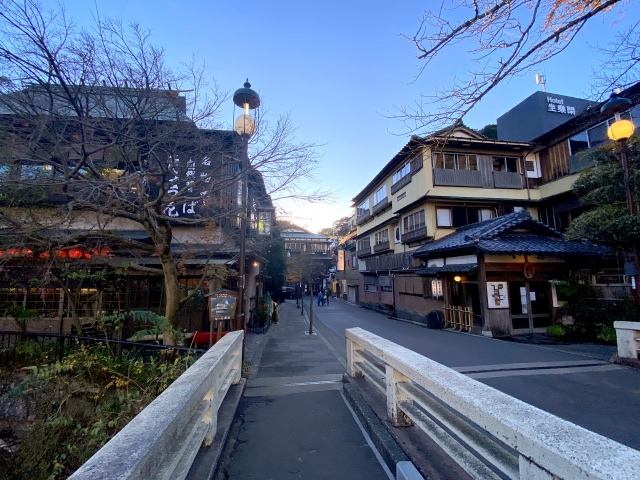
[293, 421]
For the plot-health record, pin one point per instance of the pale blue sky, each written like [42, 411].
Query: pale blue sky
[336, 66]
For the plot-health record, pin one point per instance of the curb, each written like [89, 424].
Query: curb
[389, 450]
[206, 462]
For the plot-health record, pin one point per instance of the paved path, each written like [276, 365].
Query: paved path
[294, 421]
[576, 383]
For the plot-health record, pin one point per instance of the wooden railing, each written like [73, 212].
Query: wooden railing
[460, 318]
[507, 180]
[414, 235]
[457, 178]
[490, 434]
[163, 440]
[381, 247]
[399, 261]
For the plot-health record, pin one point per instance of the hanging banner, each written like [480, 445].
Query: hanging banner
[341, 260]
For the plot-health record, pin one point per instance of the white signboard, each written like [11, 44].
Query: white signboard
[340, 260]
[497, 295]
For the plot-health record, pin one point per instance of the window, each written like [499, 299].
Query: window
[443, 217]
[486, 214]
[385, 283]
[380, 195]
[32, 172]
[370, 284]
[414, 221]
[354, 261]
[457, 161]
[363, 209]
[396, 234]
[403, 172]
[401, 196]
[506, 164]
[598, 135]
[382, 236]
[448, 217]
[594, 136]
[364, 244]
[578, 143]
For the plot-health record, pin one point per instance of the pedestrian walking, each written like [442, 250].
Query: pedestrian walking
[298, 293]
[326, 296]
[320, 300]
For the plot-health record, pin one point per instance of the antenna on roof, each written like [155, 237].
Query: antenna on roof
[541, 80]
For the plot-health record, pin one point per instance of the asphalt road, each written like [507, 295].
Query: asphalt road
[587, 391]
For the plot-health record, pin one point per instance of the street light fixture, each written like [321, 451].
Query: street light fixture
[620, 130]
[245, 126]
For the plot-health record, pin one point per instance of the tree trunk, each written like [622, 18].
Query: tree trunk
[172, 294]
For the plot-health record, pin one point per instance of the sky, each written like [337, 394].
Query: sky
[339, 68]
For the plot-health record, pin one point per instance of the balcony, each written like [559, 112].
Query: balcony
[363, 252]
[364, 217]
[406, 180]
[578, 162]
[414, 235]
[381, 206]
[507, 180]
[350, 245]
[381, 247]
[398, 261]
[457, 178]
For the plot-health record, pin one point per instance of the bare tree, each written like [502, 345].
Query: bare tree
[503, 39]
[99, 137]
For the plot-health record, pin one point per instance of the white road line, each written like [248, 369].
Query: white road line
[545, 371]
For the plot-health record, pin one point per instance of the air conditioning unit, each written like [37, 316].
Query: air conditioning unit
[396, 234]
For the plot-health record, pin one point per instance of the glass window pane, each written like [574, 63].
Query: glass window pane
[439, 160]
[472, 162]
[578, 143]
[598, 135]
[498, 164]
[512, 164]
[443, 216]
[449, 161]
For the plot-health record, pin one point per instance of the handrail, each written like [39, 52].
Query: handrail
[162, 440]
[504, 434]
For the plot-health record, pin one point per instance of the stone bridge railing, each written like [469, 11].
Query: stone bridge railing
[485, 431]
[163, 440]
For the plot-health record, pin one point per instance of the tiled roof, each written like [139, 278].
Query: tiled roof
[515, 233]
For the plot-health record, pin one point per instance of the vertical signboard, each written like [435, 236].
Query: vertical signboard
[341, 260]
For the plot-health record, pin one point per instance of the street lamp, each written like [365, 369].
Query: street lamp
[620, 130]
[245, 126]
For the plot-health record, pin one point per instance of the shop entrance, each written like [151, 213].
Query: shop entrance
[530, 306]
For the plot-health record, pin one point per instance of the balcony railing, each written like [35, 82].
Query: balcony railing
[398, 261]
[507, 180]
[400, 183]
[381, 247]
[414, 235]
[364, 217]
[363, 252]
[457, 178]
[381, 206]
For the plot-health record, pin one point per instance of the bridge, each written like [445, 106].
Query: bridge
[310, 407]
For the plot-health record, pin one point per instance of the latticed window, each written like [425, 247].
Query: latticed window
[382, 236]
[414, 221]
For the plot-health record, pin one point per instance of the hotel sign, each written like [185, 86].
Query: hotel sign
[556, 105]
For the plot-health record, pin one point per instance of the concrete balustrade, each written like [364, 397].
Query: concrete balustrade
[162, 441]
[628, 335]
[484, 430]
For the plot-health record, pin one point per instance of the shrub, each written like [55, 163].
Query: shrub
[556, 331]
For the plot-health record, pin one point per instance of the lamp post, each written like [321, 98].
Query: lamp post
[245, 126]
[620, 131]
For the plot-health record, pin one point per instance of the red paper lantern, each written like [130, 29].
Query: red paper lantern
[62, 253]
[75, 253]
